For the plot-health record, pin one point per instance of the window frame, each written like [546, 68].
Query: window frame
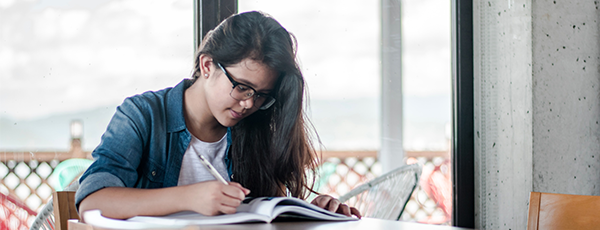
[208, 14]
[463, 143]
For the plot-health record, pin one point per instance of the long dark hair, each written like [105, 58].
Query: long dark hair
[271, 149]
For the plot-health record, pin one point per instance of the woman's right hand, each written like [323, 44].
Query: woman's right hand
[213, 197]
[207, 198]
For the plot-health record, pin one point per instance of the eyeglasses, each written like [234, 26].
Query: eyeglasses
[242, 92]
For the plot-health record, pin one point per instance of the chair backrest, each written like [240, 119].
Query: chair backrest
[549, 211]
[385, 196]
[64, 208]
[68, 171]
[14, 214]
[58, 210]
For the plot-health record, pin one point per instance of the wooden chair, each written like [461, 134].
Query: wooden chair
[55, 214]
[64, 208]
[549, 211]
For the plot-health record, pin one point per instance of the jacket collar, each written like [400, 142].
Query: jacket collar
[174, 106]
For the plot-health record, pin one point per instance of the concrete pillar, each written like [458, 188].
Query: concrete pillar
[537, 104]
[566, 97]
[503, 141]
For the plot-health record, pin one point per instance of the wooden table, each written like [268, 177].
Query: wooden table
[364, 223]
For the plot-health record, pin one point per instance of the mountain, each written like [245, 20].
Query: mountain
[52, 132]
[341, 124]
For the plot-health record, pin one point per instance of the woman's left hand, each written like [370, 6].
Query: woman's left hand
[334, 205]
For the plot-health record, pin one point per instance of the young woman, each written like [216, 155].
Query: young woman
[243, 111]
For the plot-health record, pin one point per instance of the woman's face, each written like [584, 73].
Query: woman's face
[227, 110]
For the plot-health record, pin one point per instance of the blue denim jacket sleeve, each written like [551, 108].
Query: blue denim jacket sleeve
[119, 152]
[144, 141]
[143, 145]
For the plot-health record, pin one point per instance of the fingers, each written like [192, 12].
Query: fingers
[234, 191]
[333, 205]
[329, 203]
[229, 201]
[355, 212]
[344, 209]
[348, 211]
[322, 201]
[213, 197]
[245, 190]
[226, 209]
[314, 201]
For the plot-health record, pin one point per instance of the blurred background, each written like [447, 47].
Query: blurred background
[66, 65]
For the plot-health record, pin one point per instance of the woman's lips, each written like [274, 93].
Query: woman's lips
[236, 115]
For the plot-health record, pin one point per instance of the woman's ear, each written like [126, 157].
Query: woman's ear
[206, 66]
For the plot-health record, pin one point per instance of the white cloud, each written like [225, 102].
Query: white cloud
[71, 22]
[7, 62]
[77, 54]
[6, 3]
[45, 26]
[78, 57]
[141, 41]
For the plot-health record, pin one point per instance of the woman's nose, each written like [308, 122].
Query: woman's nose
[248, 103]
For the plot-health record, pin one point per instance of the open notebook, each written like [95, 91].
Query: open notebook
[261, 209]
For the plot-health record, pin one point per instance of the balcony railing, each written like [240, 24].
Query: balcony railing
[430, 203]
[25, 176]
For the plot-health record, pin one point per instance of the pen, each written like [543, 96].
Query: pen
[212, 169]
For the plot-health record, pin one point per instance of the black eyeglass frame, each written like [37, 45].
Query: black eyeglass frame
[265, 105]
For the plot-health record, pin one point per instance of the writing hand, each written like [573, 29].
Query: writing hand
[334, 205]
[213, 197]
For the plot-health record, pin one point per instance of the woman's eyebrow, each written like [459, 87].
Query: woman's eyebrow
[245, 82]
[264, 91]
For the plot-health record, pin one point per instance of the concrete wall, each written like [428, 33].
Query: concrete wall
[537, 104]
[566, 97]
[503, 116]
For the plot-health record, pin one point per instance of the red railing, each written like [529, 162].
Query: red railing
[14, 214]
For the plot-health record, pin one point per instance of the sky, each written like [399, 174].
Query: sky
[339, 43]
[65, 56]
[57, 58]
[62, 55]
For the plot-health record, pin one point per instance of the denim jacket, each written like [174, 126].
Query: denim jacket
[143, 145]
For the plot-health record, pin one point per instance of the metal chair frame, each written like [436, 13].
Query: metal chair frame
[45, 219]
[369, 187]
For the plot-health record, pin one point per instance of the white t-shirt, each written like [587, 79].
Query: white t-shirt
[192, 171]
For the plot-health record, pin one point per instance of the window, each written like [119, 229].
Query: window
[79, 60]
[339, 50]
[339, 57]
[60, 62]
